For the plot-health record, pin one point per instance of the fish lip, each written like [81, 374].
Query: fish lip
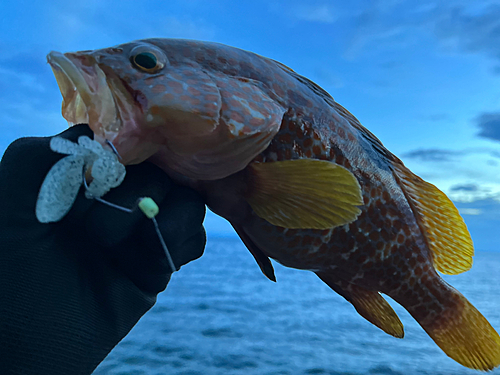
[67, 74]
[87, 95]
[73, 87]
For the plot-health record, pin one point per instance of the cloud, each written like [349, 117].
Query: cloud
[470, 192]
[322, 13]
[432, 155]
[24, 73]
[489, 124]
[457, 25]
[471, 211]
[311, 11]
[388, 25]
[25, 80]
[444, 155]
[471, 29]
[483, 220]
[465, 175]
[466, 187]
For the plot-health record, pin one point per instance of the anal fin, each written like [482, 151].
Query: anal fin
[262, 260]
[369, 304]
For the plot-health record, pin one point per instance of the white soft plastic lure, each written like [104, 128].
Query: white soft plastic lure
[61, 185]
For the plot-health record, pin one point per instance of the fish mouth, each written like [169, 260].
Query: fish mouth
[87, 96]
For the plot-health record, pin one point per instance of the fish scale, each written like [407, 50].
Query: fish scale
[294, 172]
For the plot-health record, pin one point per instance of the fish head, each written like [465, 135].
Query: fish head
[158, 96]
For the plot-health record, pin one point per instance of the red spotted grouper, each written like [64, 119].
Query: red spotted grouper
[296, 174]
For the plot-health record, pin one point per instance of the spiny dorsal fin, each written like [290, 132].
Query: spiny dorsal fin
[304, 193]
[446, 232]
[369, 304]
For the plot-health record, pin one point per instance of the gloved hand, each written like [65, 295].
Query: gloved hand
[71, 290]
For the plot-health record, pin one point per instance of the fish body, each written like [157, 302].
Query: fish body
[297, 175]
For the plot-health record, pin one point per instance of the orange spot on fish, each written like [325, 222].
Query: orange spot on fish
[168, 97]
[299, 133]
[317, 151]
[211, 98]
[341, 133]
[278, 90]
[236, 116]
[234, 104]
[158, 89]
[176, 87]
[193, 91]
[257, 122]
[185, 98]
[211, 109]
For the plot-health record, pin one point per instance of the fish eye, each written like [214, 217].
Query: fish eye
[147, 59]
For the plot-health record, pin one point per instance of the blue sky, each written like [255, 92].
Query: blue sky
[421, 75]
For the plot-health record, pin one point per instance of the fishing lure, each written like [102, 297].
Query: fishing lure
[63, 181]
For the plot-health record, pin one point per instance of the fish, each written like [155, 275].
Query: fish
[296, 174]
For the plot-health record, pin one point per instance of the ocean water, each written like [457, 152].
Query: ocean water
[220, 315]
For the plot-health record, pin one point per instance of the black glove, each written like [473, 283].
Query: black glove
[71, 290]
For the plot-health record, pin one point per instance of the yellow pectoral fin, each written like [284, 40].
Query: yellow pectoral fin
[304, 193]
[445, 230]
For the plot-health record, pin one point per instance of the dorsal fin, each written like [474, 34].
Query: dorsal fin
[444, 228]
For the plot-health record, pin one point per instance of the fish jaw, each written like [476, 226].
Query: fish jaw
[72, 86]
[94, 95]
[86, 94]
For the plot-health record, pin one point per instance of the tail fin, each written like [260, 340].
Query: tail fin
[460, 330]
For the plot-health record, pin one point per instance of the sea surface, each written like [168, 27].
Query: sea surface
[220, 315]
